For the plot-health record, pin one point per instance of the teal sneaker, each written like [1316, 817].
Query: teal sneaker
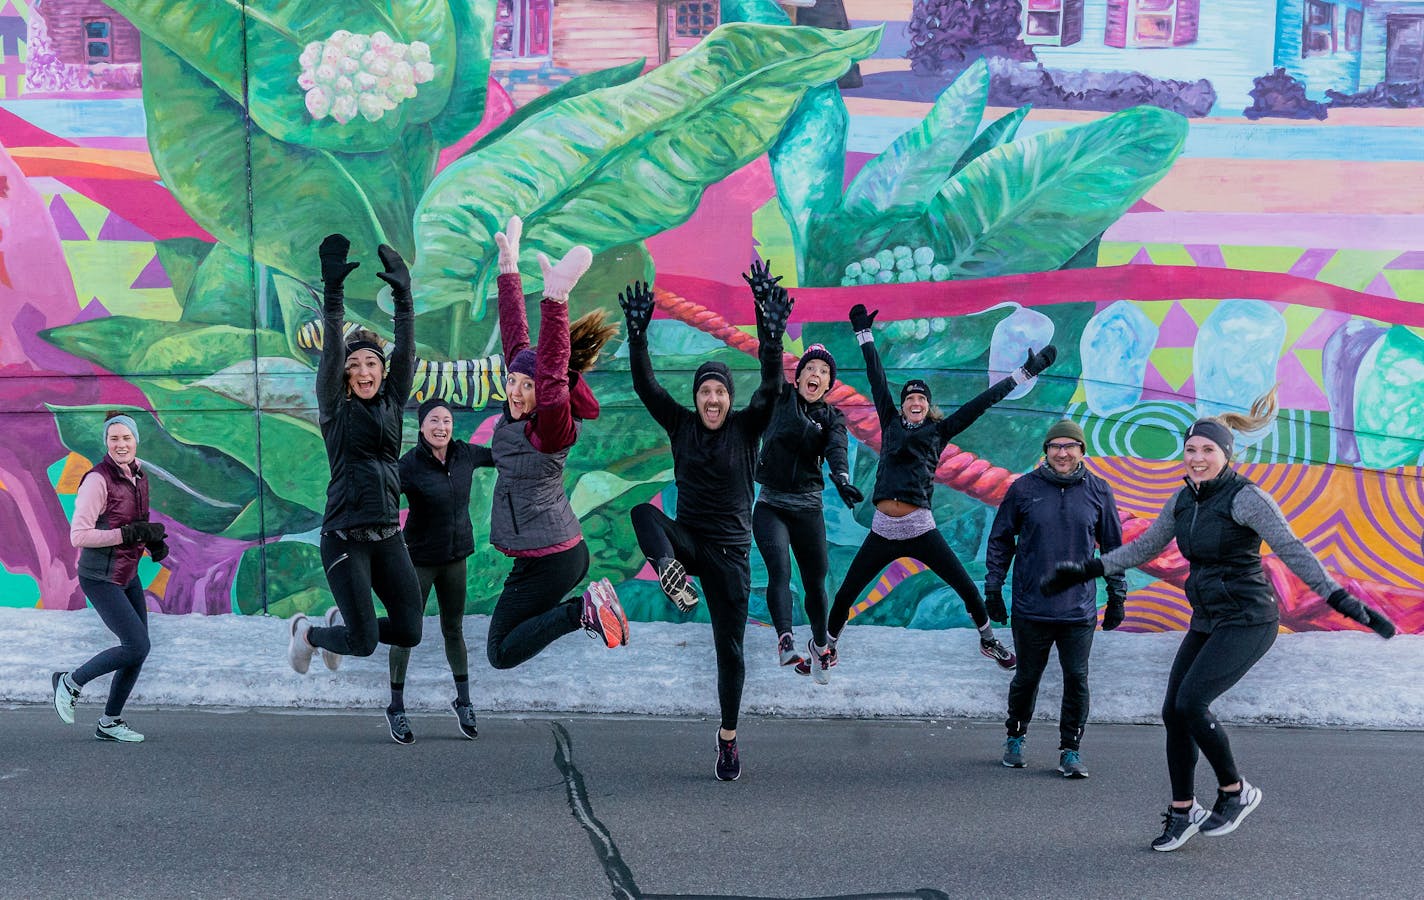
[66, 695]
[117, 730]
[1013, 751]
[1070, 764]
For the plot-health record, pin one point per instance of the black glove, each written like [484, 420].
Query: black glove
[1351, 607]
[760, 280]
[860, 320]
[994, 603]
[334, 267]
[637, 303]
[158, 550]
[396, 274]
[1113, 613]
[1068, 574]
[773, 312]
[1039, 361]
[142, 532]
[847, 489]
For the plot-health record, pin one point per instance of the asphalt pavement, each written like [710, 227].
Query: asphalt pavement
[301, 804]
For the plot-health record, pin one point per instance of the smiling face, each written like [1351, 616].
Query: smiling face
[364, 371]
[519, 388]
[1204, 459]
[120, 443]
[814, 380]
[437, 427]
[915, 407]
[1063, 455]
[713, 402]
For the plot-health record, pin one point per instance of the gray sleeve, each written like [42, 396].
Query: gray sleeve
[1258, 511]
[1148, 544]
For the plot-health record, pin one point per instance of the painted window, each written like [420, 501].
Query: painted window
[1318, 37]
[1053, 23]
[693, 19]
[98, 42]
[523, 29]
[1151, 23]
[1404, 49]
[1354, 25]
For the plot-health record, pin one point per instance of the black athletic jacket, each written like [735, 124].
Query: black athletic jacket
[801, 435]
[438, 528]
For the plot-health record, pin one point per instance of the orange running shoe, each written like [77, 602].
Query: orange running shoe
[603, 615]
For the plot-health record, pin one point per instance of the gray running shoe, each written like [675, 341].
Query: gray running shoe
[331, 658]
[820, 663]
[117, 730]
[786, 650]
[1178, 826]
[1230, 809]
[465, 712]
[1013, 751]
[299, 650]
[65, 696]
[1070, 764]
[672, 578]
[400, 727]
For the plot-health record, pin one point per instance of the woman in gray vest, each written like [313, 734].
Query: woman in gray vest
[111, 528]
[531, 519]
[1219, 519]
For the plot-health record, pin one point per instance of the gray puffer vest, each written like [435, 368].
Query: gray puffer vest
[530, 509]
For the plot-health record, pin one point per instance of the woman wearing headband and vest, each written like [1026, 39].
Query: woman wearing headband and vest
[1219, 519]
[112, 530]
[360, 401]
[912, 437]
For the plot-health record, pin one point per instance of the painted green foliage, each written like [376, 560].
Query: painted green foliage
[1389, 401]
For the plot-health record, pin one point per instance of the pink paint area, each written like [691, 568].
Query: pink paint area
[717, 238]
[498, 107]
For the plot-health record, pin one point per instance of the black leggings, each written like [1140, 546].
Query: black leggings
[449, 583]
[802, 532]
[1207, 665]
[725, 573]
[533, 612]
[125, 613]
[353, 570]
[878, 552]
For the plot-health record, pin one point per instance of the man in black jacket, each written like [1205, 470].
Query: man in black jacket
[1058, 511]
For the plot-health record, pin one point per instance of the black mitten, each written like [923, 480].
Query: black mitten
[994, 603]
[1067, 574]
[1352, 607]
[760, 279]
[850, 494]
[1039, 361]
[158, 550]
[396, 273]
[334, 267]
[637, 303]
[860, 320]
[773, 312]
[142, 532]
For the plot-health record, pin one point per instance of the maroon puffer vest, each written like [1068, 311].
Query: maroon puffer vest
[128, 503]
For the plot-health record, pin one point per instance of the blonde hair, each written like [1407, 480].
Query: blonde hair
[1263, 411]
[587, 336]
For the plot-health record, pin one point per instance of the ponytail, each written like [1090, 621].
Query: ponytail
[587, 336]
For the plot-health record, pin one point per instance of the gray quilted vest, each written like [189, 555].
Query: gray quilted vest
[530, 509]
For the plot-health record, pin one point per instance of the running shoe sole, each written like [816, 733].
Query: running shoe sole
[1192, 829]
[673, 581]
[474, 730]
[404, 740]
[612, 621]
[329, 658]
[101, 734]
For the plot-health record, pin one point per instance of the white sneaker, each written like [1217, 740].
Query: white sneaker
[117, 730]
[330, 657]
[820, 662]
[299, 652]
[65, 696]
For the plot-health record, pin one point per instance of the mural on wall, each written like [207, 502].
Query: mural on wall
[157, 254]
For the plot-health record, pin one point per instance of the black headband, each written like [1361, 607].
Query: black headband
[363, 344]
[1213, 431]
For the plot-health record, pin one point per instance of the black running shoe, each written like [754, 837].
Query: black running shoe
[400, 727]
[672, 578]
[729, 762]
[1178, 826]
[1230, 809]
[465, 712]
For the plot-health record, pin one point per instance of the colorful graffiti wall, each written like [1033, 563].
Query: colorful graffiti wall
[1194, 202]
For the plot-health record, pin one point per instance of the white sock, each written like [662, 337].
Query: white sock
[105, 721]
[986, 631]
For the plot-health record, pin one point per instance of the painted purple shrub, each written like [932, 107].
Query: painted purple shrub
[1016, 85]
[1282, 96]
[946, 34]
[1389, 95]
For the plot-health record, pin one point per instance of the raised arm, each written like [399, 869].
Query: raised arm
[331, 365]
[967, 414]
[402, 364]
[513, 325]
[773, 310]
[885, 406]
[637, 303]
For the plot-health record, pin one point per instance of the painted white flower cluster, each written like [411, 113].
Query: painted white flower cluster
[902, 264]
[348, 74]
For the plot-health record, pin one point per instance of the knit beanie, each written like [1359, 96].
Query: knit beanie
[817, 351]
[120, 419]
[430, 406]
[915, 386]
[1213, 431]
[715, 371]
[523, 362]
[1065, 428]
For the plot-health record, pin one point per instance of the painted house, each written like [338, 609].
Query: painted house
[14, 34]
[81, 46]
[1392, 43]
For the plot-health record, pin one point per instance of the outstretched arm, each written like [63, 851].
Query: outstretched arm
[553, 425]
[402, 365]
[967, 414]
[330, 369]
[637, 303]
[773, 310]
[513, 325]
[885, 406]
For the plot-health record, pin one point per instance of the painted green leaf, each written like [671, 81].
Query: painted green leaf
[765, 12]
[808, 165]
[222, 291]
[474, 41]
[905, 177]
[1031, 205]
[580, 84]
[1001, 131]
[1389, 401]
[622, 163]
[259, 58]
[199, 145]
[294, 581]
[180, 258]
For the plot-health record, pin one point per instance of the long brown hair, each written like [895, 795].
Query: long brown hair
[587, 336]
[1263, 410]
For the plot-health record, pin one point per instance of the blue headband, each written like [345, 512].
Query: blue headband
[126, 421]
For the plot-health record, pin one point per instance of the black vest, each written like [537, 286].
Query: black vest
[1226, 585]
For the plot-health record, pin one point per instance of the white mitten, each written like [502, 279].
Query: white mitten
[560, 277]
[508, 243]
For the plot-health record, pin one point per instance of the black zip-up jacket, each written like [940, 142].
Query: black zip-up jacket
[363, 437]
[712, 469]
[800, 437]
[438, 529]
[1046, 518]
[909, 455]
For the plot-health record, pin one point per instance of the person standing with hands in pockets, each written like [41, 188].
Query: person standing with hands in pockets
[1058, 511]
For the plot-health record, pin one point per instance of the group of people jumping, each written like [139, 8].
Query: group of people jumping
[1047, 529]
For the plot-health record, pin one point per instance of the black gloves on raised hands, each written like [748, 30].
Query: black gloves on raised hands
[334, 267]
[847, 489]
[1039, 361]
[1114, 613]
[1067, 574]
[994, 603]
[860, 320]
[1351, 607]
[142, 533]
[396, 273]
[637, 303]
[773, 312]
[760, 280]
[158, 550]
